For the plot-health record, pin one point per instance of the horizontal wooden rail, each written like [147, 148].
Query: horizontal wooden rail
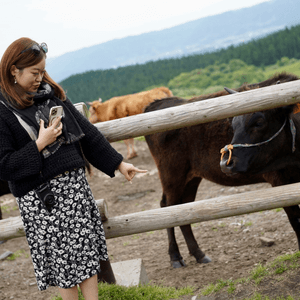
[204, 210]
[177, 215]
[201, 111]
[183, 116]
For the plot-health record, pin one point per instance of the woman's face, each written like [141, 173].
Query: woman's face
[30, 78]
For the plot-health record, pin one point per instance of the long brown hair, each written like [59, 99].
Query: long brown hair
[13, 55]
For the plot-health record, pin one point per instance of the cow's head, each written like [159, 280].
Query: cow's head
[94, 109]
[262, 142]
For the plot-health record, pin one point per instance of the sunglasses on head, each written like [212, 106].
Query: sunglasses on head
[36, 48]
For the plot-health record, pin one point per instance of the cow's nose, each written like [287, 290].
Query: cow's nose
[227, 167]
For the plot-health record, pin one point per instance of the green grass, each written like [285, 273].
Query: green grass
[8, 209]
[259, 273]
[272, 270]
[17, 254]
[248, 224]
[258, 296]
[280, 265]
[143, 292]
[213, 288]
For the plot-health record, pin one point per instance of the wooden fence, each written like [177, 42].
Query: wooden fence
[199, 211]
[201, 111]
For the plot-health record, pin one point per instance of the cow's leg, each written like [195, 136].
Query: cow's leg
[133, 152]
[193, 245]
[288, 176]
[175, 256]
[293, 213]
[189, 196]
[128, 148]
[130, 143]
[179, 196]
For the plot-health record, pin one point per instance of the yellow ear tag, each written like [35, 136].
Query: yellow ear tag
[296, 109]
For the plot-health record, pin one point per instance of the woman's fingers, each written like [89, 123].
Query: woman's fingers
[129, 170]
[56, 122]
[56, 127]
[139, 170]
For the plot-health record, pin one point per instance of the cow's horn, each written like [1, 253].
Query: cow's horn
[230, 91]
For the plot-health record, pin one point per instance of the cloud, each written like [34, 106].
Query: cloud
[68, 25]
[111, 15]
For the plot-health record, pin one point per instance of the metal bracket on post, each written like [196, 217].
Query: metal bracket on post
[106, 273]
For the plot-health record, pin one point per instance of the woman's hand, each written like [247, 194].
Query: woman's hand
[129, 170]
[48, 135]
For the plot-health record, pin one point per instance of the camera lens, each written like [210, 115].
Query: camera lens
[49, 200]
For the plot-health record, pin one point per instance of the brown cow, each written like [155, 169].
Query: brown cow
[124, 106]
[187, 155]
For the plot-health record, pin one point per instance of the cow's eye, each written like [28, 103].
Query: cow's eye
[258, 124]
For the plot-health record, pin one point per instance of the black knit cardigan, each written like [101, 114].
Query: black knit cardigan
[25, 168]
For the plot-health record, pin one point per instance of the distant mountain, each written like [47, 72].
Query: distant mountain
[202, 35]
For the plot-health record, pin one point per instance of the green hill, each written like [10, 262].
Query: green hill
[213, 78]
[126, 80]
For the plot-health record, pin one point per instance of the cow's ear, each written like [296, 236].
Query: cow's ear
[296, 108]
[90, 103]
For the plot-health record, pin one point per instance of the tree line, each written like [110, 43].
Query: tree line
[106, 84]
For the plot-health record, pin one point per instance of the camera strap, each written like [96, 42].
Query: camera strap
[81, 107]
[26, 127]
[23, 123]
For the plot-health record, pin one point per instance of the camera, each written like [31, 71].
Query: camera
[46, 196]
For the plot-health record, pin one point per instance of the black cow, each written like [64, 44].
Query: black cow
[185, 156]
[267, 142]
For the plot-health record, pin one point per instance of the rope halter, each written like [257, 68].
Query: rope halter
[230, 147]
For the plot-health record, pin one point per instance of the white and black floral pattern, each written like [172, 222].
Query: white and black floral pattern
[67, 243]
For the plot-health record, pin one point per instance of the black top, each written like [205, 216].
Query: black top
[25, 168]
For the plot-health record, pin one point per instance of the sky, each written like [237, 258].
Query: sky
[69, 25]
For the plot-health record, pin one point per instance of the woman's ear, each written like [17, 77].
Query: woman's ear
[14, 70]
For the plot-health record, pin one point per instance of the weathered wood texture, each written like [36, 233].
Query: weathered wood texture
[182, 116]
[201, 111]
[177, 215]
[103, 208]
[200, 211]
[13, 227]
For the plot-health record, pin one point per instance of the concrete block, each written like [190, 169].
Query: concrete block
[130, 272]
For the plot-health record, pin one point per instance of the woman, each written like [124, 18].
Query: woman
[44, 165]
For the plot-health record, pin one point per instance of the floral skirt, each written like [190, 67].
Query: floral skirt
[67, 243]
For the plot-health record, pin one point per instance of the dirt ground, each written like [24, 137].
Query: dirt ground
[233, 243]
